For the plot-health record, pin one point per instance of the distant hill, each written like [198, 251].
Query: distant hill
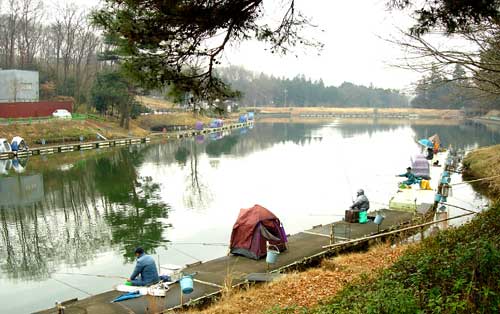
[264, 90]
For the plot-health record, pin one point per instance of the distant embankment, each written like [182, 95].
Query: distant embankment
[358, 112]
[484, 163]
[491, 117]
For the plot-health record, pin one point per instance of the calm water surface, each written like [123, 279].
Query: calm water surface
[86, 212]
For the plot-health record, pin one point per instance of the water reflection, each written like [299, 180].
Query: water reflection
[68, 217]
[463, 136]
[18, 165]
[68, 213]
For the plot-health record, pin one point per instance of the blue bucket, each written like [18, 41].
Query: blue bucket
[272, 255]
[186, 284]
[378, 219]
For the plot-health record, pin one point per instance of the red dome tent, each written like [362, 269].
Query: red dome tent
[252, 229]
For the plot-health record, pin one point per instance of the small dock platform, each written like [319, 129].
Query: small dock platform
[304, 249]
[80, 146]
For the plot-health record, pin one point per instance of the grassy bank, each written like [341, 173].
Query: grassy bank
[57, 131]
[299, 291]
[179, 118]
[456, 271]
[482, 163]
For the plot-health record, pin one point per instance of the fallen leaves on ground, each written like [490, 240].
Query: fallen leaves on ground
[308, 288]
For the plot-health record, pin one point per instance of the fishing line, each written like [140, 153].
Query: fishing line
[346, 177]
[186, 254]
[197, 243]
[71, 286]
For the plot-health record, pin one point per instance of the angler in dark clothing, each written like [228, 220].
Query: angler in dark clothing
[145, 268]
[361, 203]
[430, 153]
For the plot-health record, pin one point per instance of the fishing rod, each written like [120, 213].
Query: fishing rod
[167, 242]
[462, 208]
[92, 275]
[476, 180]
[335, 215]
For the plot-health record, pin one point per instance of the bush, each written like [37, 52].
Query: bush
[457, 271]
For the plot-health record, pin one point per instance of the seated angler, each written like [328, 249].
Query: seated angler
[361, 203]
[145, 269]
[410, 177]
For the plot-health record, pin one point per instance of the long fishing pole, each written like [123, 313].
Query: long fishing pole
[476, 180]
[92, 275]
[467, 210]
[329, 215]
[167, 242]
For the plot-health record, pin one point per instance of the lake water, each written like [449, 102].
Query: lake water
[86, 212]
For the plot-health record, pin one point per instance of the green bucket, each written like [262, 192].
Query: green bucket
[363, 217]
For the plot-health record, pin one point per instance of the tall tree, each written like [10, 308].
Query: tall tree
[452, 16]
[477, 23]
[111, 90]
[182, 41]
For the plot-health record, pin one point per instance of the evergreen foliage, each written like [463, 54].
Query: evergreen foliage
[264, 90]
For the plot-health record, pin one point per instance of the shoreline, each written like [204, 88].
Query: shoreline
[81, 146]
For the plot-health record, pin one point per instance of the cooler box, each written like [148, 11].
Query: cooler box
[351, 215]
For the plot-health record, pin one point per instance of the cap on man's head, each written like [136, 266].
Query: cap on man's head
[139, 250]
[409, 168]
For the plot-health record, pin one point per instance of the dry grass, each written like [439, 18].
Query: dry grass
[59, 129]
[155, 104]
[365, 121]
[178, 118]
[307, 289]
[482, 163]
[493, 113]
[359, 110]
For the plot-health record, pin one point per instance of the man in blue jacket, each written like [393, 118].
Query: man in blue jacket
[146, 268]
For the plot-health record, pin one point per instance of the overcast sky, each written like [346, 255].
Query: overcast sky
[355, 50]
